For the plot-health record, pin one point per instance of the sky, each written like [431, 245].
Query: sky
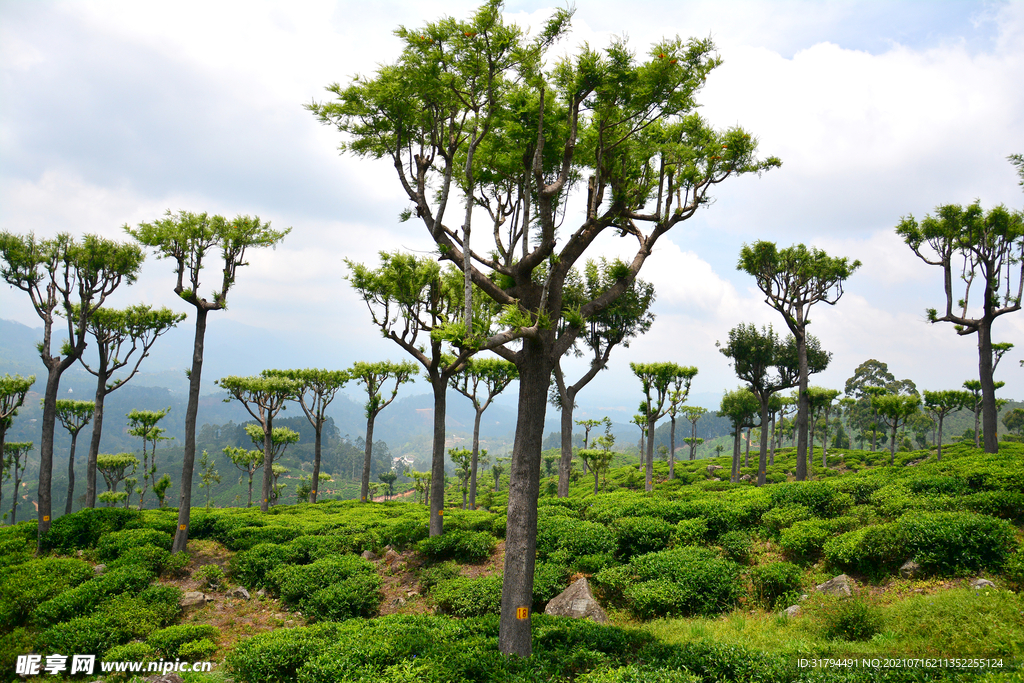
[112, 113]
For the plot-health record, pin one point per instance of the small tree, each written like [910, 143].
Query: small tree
[975, 248]
[263, 398]
[793, 280]
[277, 471]
[462, 459]
[160, 487]
[498, 469]
[658, 380]
[143, 424]
[895, 410]
[821, 403]
[940, 404]
[1014, 420]
[208, 475]
[976, 404]
[249, 461]
[15, 460]
[116, 468]
[373, 376]
[693, 415]
[187, 239]
[388, 479]
[741, 407]
[73, 415]
[12, 396]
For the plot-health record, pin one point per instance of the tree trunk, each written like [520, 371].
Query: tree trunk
[269, 480]
[97, 433]
[191, 413]
[364, 489]
[939, 440]
[892, 445]
[734, 475]
[476, 452]
[249, 504]
[46, 452]
[989, 412]
[802, 408]
[521, 535]
[672, 450]
[316, 462]
[649, 468]
[775, 438]
[71, 474]
[762, 470]
[439, 385]
[746, 456]
[565, 461]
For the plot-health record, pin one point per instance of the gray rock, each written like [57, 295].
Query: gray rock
[841, 585]
[368, 555]
[100, 569]
[165, 678]
[712, 468]
[982, 583]
[239, 593]
[714, 479]
[577, 602]
[193, 599]
[746, 477]
[803, 597]
[390, 556]
[261, 593]
[910, 569]
[794, 611]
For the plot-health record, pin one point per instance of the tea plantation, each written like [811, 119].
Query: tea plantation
[696, 579]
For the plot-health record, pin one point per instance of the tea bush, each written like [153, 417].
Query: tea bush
[307, 549]
[247, 537]
[824, 499]
[872, 550]
[334, 587]
[154, 559]
[83, 529]
[641, 535]
[435, 574]
[783, 517]
[577, 537]
[737, 546]
[804, 541]
[252, 567]
[25, 586]
[357, 596]
[112, 545]
[169, 641]
[87, 596]
[851, 619]
[116, 622]
[956, 543]
[691, 531]
[464, 546]
[466, 597]
[775, 584]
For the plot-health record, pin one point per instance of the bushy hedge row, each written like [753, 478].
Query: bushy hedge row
[331, 589]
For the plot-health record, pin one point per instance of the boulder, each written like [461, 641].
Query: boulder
[390, 556]
[239, 593]
[193, 599]
[794, 611]
[261, 593]
[712, 468]
[368, 555]
[910, 569]
[978, 584]
[841, 585]
[165, 678]
[577, 602]
[746, 477]
[100, 569]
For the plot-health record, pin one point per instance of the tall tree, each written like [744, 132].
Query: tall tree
[821, 402]
[73, 415]
[12, 395]
[658, 381]
[940, 404]
[676, 399]
[794, 279]
[373, 377]
[625, 318]
[768, 365]
[317, 389]
[895, 410]
[494, 374]
[263, 397]
[629, 127]
[16, 459]
[741, 406]
[143, 424]
[187, 239]
[117, 336]
[63, 276]
[976, 404]
[980, 248]
[410, 298]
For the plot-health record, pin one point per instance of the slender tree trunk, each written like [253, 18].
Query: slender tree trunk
[775, 438]
[364, 490]
[939, 440]
[316, 462]
[71, 474]
[802, 407]
[762, 470]
[746, 455]
[46, 452]
[269, 480]
[473, 465]
[249, 504]
[565, 461]
[649, 469]
[892, 445]
[497, 478]
[734, 476]
[521, 535]
[97, 433]
[436, 493]
[672, 450]
[191, 414]
[989, 412]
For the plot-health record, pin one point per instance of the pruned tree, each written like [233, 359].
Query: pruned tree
[976, 404]
[122, 339]
[208, 475]
[627, 317]
[263, 397]
[821, 402]
[63, 276]
[15, 459]
[468, 113]
[388, 479]
[74, 416]
[794, 279]
[160, 487]
[940, 404]
[498, 469]
[247, 460]
[115, 468]
[462, 459]
[693, 414]
[894, 410]
[658, 381]
[983, 251]
[1014, 420]
[187, 239]
[143, 424]
[492, 376]
[677, 396]
[317, 389]
[410, 298]
[741, 407]
[12, 395]
[373, 377]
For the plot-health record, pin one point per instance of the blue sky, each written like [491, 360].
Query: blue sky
[113, 112]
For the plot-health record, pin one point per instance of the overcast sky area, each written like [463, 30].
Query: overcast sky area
[114, 112]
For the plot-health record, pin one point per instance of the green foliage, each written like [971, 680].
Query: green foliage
[209, 576]
[25, 586]
[84, 598]
[775, 584]
[737, 546]
[112, 545]
[155, 560]
[804, 541]
[170, 641]
[466, 597]
[116, 622]
[276, 657]
[851, 619]
[458, 545]
[783, 517]
[83, 529]
[247, 537]
[438, 573]
[333, 588]
[132, 652]
[823, 499]
[641, 535]
[252, 567]
[691, 531]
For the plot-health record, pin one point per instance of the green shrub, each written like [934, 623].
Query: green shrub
[169, 641]
[851, 619]
[549, 579]
[197, 650]
[775, 584]
[81, 530]
[637, 673]
[154, 559]
[872, 550]
[209, 576]
[112, 545]
[464, 546]
[87, 596]
[704, 583]
[251, 568]
[1013, 569]
[435, 574]
[577, 537]
[13, 643]
[23, 587]
[276, 657]
[944, 486]
[466, 597]
[176, 565]
[641, 535]
[132, 652]
[116, 622]
[357, 596]
[737, 546]
[691, 531]
[956, 543]
[354, 587]
[247, 537]
[1005, 504]
[824, 499]
[804, 541]
[307, 549]
[15, 551]
[784, 516]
